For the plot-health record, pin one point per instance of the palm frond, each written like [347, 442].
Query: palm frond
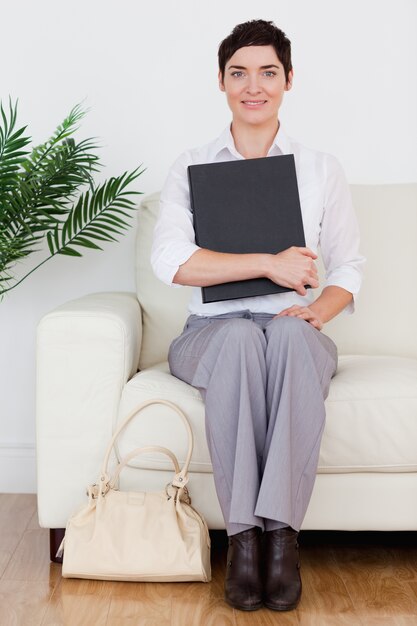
[96, 216]
[12, 154]
[68, 127]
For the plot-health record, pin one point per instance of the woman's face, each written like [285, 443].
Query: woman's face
[255, 74]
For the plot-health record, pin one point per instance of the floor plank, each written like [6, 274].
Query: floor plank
[325, 599]
[79, 603]
[380, 575]
[31, 559]
[16, 511]
[23, 603]
[206, 611]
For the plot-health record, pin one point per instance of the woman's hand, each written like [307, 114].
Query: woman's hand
[304, 313]
[293, 268]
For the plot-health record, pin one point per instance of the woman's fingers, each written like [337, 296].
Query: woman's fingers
[303, 313]
[308, 252]
[294, 268]
[311, 318]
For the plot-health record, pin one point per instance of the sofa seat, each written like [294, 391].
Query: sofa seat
[371, 417]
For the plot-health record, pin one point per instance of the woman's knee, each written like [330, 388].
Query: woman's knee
[286, 326]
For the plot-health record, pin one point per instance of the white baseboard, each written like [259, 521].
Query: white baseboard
[17, 467]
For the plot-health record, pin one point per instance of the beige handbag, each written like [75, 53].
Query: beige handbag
[138, 536]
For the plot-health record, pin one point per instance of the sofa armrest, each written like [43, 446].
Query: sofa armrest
[87, 350]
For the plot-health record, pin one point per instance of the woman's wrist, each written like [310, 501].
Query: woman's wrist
[265, 265]
[319, 311]
[331, 302]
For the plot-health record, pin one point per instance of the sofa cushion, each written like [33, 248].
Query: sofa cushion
[164, 309]
[158, 424]
[371, 417]
[384, 320]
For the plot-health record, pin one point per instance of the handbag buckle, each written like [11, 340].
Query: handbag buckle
[95, 490]
[187, 497]
[169, 496]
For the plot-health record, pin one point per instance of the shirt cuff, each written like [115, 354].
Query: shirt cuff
[348, 279]
[167, 269]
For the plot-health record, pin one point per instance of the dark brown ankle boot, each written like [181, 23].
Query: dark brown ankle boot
[243, 582]
[282, 580]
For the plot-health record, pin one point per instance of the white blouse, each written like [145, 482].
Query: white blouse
[329, 221]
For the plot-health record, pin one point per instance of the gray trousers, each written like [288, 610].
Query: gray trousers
[264, 382]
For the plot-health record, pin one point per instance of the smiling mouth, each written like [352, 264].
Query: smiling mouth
[253, 103]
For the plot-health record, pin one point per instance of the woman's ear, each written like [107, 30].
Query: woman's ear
[221, 85]
[289, 81]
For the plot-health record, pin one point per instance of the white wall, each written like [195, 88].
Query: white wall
[148, 72]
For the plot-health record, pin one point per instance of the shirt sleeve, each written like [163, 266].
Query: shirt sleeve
[173, 237]
[339, 235]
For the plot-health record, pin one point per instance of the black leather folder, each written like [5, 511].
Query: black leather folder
[246, 206]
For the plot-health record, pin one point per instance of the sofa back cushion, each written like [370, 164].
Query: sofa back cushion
[384, 320]
[164, 309]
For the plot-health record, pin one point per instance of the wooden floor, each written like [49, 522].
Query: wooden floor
[349, 578]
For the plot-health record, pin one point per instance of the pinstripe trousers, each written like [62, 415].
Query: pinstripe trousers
[264, 382]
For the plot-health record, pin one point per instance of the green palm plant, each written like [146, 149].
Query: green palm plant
[48, 193]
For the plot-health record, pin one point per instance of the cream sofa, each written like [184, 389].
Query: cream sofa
[101, 355]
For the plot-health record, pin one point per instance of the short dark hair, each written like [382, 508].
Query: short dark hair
[256, 33]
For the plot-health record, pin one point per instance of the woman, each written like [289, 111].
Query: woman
[262, 364]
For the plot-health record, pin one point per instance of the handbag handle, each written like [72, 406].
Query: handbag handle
[137, 451]
[181, 478]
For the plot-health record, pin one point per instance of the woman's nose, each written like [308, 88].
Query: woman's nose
[253, 86]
